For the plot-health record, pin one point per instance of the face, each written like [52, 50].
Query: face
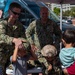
[49, 58]
[14, 13]
[21, 53]
[44, 13]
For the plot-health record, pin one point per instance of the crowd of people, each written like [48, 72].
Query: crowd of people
[38, 45]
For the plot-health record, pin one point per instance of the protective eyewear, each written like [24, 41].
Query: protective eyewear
[15, 13]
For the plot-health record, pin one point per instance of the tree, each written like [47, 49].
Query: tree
[73, 11]
[67, 13]
[57, 11]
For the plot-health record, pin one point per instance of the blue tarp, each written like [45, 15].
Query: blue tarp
[7, 5]
[2, 4]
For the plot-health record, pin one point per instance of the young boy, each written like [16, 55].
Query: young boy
[20, 57]
[67, 54]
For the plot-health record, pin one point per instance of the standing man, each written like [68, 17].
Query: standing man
[11, 33]
[42, 31]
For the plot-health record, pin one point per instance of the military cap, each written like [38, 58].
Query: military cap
[49, 51]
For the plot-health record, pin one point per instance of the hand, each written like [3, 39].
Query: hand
[34, 48]
[17, 42]
[49, 67]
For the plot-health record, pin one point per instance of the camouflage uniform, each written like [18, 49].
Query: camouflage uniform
[50, 52]
[41, 35]
[7, 33]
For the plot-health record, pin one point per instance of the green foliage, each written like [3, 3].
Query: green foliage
[73, 11]
[67, 13]
[70, 12]
[57, 11]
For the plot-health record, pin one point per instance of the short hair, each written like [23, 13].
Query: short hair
[69, 36]
[14, 4]
[42, 8]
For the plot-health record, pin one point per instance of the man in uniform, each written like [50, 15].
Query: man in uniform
[11, 33]
[42, 32]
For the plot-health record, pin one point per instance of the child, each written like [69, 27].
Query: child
[19, 59]
[67, 54]
[49, 52]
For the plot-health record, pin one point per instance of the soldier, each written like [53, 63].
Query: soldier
[11, 33]
[49, 52]
[40, 33]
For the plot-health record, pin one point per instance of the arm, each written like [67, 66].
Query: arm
[3, 37]
[33, 55]
[46, 66]
[19, 33]
[14, 56]
[20, 30]
[30, 32]
[65, 72]
[57, 32]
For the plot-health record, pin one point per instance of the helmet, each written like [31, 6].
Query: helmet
[49, 51]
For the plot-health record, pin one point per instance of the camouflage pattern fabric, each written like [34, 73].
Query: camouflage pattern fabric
[49, 51]
[41, 35]
[7, 33]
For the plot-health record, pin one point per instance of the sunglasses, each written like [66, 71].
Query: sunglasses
[15, 13]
